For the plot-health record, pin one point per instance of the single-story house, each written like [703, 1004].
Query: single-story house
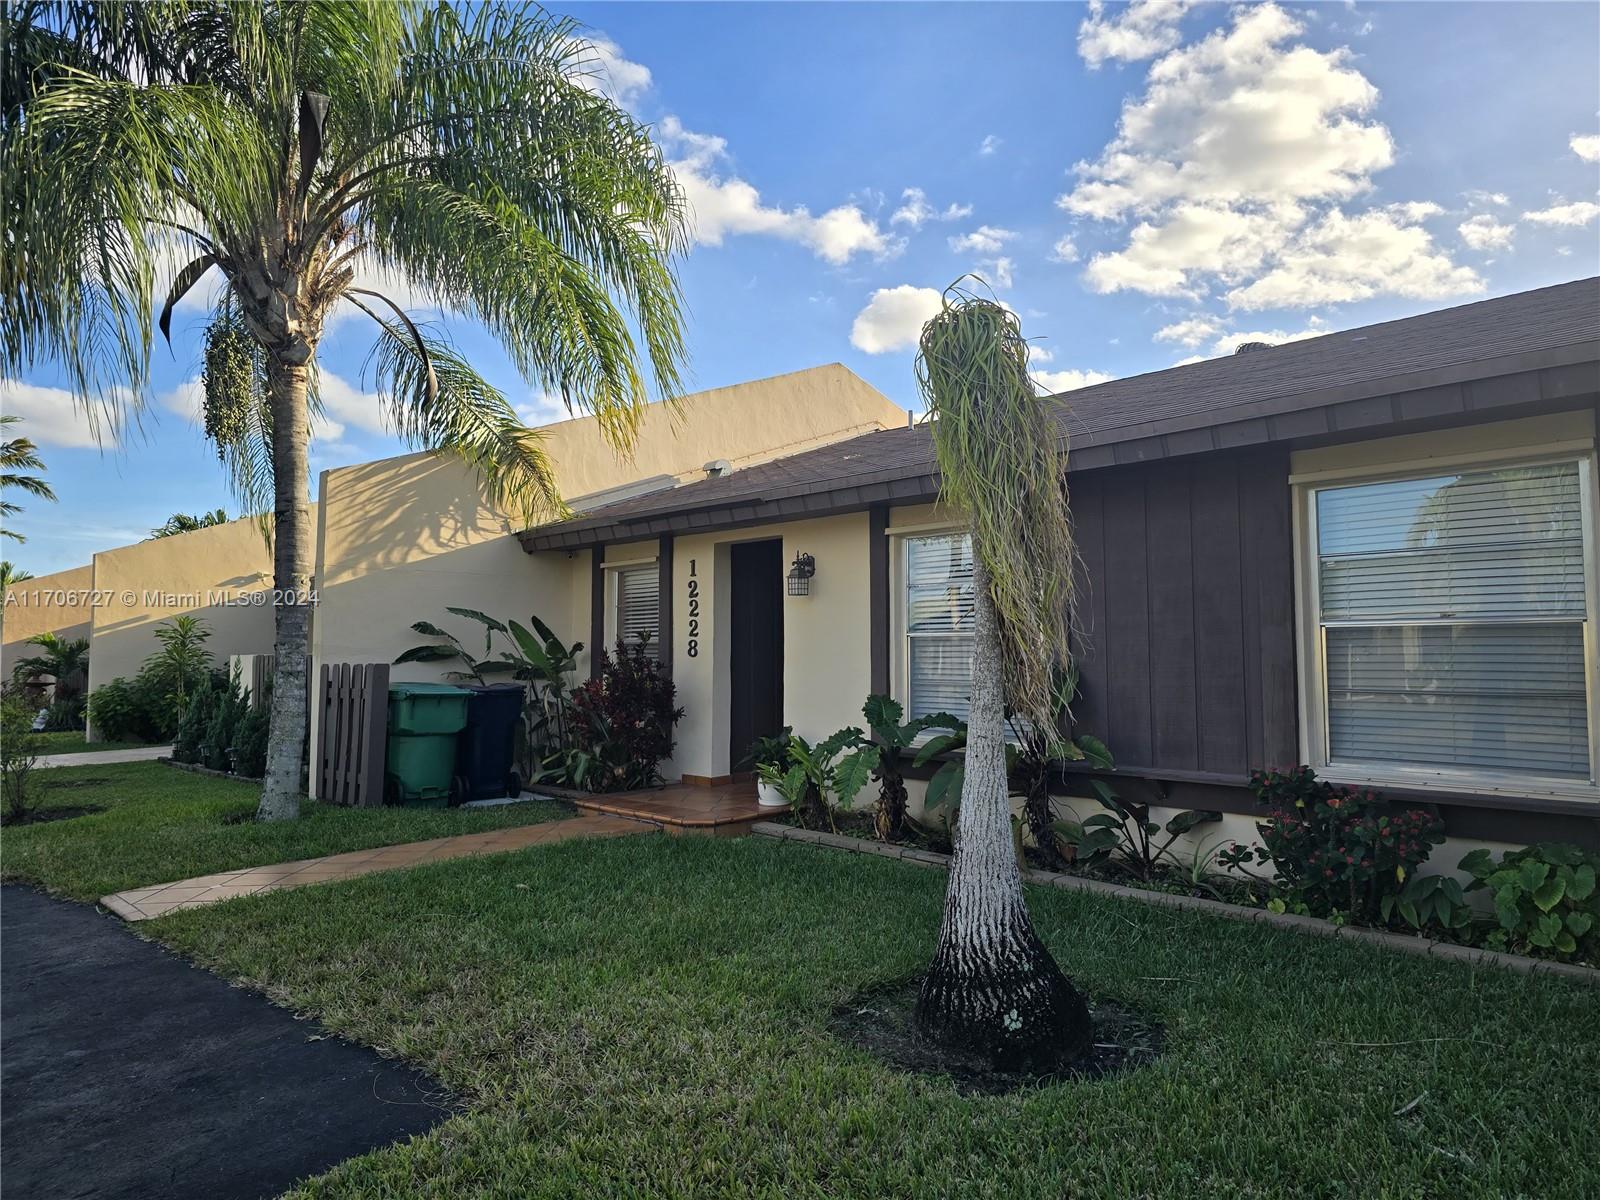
[124, 595]
[1373, 551]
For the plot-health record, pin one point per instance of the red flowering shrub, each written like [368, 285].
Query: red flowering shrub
[1336, 848]
[623, 721]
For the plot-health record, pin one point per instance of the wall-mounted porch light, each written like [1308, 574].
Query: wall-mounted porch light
[800, 575]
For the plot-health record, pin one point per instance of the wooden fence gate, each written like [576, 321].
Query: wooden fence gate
[353, 700]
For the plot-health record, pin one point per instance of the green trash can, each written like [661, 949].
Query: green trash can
[424, 719]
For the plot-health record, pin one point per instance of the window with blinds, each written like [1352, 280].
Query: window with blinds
[938, 624]
[1453, 611]
[639, 605]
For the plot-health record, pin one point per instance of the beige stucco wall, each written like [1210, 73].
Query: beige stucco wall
[196, 574]
[403, 538]
[827, 654]
[59, 603]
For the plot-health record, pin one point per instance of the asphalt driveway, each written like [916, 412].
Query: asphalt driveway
[125, 1072]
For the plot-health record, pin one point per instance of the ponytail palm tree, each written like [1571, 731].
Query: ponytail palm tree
[993, 990]
[293, 148]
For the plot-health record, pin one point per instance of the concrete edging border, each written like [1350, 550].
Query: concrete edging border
[1403, 943]
[198, 769]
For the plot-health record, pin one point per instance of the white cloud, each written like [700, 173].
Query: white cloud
[1000, 272]
[611, 73]
[893, 318]
[1229, 343]
[339, 400]
[985, 239]
[1586, 146]
[723, 204]
[1342, 259]
[1189, 332]
[1051, 382]
[1483, 232]
[1579, 212]
[1239, 117]
[1064, 251]
[1231, 167]
[542, 409]
[915, 210]
[1133, 31]
[1039, 354]
[53, 416]
[990, 144]
[1478, 198]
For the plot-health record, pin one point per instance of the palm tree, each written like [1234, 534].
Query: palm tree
[184, 523]
[993, 989]
[17, 455]
[63, 660]
[290, 146]
[10, 574]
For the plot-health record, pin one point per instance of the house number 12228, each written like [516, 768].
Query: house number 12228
[693, 648]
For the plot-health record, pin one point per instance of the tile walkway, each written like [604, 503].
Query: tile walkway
[101, 758]
[721, 810]
[145, 903]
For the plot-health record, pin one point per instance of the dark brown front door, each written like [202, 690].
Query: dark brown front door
[756, 637]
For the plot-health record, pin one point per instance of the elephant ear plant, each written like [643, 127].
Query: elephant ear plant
[886, 748]
[993, 991]
[537, 657]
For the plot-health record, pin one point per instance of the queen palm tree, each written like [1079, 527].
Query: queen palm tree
[993, 989]
[291, 147]
[18, 455]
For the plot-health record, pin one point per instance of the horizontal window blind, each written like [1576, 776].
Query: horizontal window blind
[938, 624]
[1503, 543]
[1453, 610]
[1473, 697]
[639, 604]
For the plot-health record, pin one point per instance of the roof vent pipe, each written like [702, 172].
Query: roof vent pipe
[717, 468]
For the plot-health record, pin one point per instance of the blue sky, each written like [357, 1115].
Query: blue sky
[1143, 184]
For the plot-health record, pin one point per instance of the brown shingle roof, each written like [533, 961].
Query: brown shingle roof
[1200, 406]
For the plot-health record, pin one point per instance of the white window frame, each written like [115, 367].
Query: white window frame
[1312, 641]
[899, 617]
[613, 577]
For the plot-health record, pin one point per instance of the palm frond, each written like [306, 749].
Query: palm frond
[1003, 464]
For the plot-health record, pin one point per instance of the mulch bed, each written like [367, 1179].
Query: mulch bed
[882, 1022]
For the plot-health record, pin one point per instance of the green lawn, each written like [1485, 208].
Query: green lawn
[647, 1017]
[162, 824]
[70, 741]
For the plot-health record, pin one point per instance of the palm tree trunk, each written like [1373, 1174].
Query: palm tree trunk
[292, 550]
[993, 989]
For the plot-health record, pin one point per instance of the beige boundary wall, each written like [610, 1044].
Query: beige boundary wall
[223, 575]
[59, 603]
[402, 539]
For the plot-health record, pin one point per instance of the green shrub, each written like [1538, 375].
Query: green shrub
[228, 712]
[194, 726]
[1335, 849]
[19, 748]
[1545, 899]
[250, 742]
[65, 715]
[127, 711]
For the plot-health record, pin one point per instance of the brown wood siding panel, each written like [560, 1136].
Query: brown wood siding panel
[1170, 565]
[597, 608]
[1126, 640]
[1218, 617]
[878, 596]
[664, 592]
[1186, 608]
[1088, 519]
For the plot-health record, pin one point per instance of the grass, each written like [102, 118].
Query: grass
[162, 824]
[70, 741]
[648, 1017]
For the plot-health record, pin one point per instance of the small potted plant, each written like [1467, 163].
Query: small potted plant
[769, 758]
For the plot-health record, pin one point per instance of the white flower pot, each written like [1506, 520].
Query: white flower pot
[768, 795]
